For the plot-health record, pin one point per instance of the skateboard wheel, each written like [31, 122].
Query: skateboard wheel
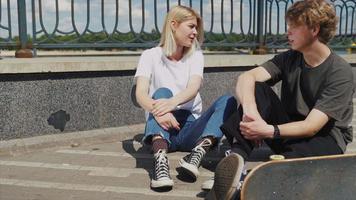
[276, 157]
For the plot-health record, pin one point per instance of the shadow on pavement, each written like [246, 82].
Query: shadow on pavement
[143, 157]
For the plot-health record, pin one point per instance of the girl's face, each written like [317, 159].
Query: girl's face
[185, 32]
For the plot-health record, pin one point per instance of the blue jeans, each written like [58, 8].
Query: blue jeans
[191, 129]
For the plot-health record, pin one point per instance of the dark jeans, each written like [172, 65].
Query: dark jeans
[272, 111]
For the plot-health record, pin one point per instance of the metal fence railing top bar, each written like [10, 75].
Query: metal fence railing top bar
[132, 24]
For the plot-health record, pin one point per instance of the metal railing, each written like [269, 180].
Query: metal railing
[108, 24]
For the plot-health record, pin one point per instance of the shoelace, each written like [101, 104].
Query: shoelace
[196, 155]
[242, 179]
[227, 152]
[243, 174]
[162, 168]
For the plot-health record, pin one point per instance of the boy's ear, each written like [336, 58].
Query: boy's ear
[316, 30]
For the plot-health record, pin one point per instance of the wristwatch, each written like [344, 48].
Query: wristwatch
[276, 133]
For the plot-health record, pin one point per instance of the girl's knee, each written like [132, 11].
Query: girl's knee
[162, 93]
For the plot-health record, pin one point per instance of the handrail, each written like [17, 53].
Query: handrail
[229, 24]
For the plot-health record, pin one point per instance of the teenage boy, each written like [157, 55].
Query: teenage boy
[313, 115]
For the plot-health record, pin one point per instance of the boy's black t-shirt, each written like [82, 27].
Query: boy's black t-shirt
[328, 88]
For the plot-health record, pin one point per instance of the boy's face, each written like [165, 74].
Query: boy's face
[300, 37]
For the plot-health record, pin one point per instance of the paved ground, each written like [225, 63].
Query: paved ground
[99, 164]
[116, 170]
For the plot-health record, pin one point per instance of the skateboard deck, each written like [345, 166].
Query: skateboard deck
[322, 177]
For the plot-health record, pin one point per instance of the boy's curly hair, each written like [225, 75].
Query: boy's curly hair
[314, 13]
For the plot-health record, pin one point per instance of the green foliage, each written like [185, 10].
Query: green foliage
[212, 42]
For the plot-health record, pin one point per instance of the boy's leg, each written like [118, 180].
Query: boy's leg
[228, 171]
[271, 110]
[319, 145]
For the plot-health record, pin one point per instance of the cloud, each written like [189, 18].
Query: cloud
[218, 10]
[63, 5]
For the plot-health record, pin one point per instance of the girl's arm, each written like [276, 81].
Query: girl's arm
[167, 120]
[163, 106]
[142, 86]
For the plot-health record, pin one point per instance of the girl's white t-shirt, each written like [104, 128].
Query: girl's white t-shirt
[163, 72]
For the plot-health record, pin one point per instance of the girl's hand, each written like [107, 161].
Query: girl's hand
[162, 106]
[167, 121]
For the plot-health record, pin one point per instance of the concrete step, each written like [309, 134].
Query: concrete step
[96, 169]
[122, 169]
[119, 170]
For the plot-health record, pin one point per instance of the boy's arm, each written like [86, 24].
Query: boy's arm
[245, 90]
[312, 124]
[259, 129]
[255, 127]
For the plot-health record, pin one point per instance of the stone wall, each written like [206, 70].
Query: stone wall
[34, 104]
[50, 103]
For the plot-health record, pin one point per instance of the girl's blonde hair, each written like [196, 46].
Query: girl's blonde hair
[180, 14]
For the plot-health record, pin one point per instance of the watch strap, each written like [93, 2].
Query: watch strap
[276, 133]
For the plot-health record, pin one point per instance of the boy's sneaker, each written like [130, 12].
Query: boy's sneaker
[161, 177]
[227, 177]
[207, 185]
[191, 162]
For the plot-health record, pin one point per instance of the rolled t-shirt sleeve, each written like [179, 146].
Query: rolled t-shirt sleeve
[145, 65]
[275, 66]
[197, 64]
[335, 97]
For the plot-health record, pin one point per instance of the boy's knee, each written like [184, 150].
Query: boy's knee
[261, 85]
[262, 89]
[162, 93]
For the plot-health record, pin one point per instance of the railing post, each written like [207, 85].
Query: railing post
[24, 51]
[260, 47]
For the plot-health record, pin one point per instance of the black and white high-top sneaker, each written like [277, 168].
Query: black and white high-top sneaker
[161, 177]
[191, 162]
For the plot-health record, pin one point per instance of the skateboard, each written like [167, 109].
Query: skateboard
[322, 177]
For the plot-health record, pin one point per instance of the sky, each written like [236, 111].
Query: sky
[95, 22]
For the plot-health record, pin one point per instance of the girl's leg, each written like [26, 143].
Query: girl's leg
[208, 125]
[204, 133]
[159, 138]
[153, 130]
